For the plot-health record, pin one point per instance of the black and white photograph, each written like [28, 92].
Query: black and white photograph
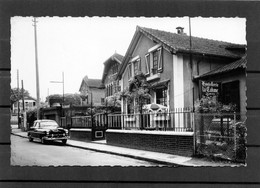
[128, 91]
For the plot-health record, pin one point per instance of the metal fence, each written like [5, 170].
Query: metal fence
[81, 122]
[181, 121]
[218, 135]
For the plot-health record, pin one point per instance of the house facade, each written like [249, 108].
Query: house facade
[233, 83]
[92, 90]
[172, 64]
[111, 67]
[29, 103]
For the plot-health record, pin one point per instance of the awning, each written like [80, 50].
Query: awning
[160, 84]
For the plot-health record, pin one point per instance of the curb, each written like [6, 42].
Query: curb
[160, 162]
[19, 135]
[128, 155]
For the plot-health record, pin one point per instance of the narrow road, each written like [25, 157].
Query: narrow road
[25, 153]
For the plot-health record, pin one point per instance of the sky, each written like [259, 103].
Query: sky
[79, 46]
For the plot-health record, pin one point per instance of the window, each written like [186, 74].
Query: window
[231, 94]
[109, 90]
[155, 62]
[154, 57]
[161, 96]
[137, 66]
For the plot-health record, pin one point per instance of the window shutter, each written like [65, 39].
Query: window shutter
[147, 63]
[129, 71]
[160, 59]
[139, 64]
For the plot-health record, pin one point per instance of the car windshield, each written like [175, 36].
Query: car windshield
[48, 124]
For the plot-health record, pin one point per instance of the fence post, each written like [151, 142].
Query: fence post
[235, 136]
[194, 141]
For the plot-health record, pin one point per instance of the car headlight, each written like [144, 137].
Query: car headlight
[47, 133]
[66, 131]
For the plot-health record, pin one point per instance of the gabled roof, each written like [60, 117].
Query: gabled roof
[92, 83]
[180, 43]
[114, 58]
[241, 63]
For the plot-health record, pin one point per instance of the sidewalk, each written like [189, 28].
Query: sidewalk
[156, 157]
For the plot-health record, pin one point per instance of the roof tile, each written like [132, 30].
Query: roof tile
[181, 43]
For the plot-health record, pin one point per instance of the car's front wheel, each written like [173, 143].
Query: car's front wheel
[43, 141]
[64, 142]
[30, 138]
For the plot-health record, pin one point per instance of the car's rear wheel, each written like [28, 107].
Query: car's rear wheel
[30, 138]
[64, 142]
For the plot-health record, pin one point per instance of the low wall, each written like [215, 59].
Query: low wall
[81, 134]
[177, 143]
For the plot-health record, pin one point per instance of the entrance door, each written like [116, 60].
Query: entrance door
[231, 94]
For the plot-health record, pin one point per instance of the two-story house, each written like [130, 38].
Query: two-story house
[174, 63]
[111, 67]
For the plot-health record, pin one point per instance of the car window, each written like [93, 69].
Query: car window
[36, 125]
[48, 124]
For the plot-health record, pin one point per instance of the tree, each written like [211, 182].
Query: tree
[17, 94]
[138, 91]
[113, 102]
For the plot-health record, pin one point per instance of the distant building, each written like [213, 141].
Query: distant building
[29, 103]
[92, 89]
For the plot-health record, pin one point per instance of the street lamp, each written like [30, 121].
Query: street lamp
[61, 82]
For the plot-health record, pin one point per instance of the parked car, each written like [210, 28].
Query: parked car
[47, 130]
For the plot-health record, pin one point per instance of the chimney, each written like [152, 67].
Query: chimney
[180, 30]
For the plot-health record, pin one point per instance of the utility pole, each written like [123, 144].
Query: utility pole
[37, 69]
[191, 64]
[23, 95]
[63, 88]
[18, 97]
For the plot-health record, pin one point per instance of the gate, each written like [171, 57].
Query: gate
[220, 136]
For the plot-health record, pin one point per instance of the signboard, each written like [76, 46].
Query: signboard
[209, 89]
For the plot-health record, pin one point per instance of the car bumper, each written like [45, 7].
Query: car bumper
[56, 138]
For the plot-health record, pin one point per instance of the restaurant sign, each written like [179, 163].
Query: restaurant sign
[209, 89]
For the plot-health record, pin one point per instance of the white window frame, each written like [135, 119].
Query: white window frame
[158, 48]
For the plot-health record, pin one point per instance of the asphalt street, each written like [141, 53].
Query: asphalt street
[25, 153]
